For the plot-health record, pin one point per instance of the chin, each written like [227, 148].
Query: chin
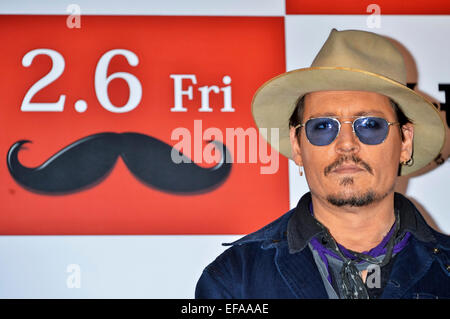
[349, 196]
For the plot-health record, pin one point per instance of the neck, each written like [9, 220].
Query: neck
[356, 228]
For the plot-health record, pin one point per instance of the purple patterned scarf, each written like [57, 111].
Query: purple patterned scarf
[377, 251]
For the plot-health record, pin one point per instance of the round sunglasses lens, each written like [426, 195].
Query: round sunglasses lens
[371, 130]
[321, 131]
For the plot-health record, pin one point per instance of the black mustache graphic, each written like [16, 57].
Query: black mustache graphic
[86, 162]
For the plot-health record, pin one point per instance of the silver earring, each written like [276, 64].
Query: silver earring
[301, 170]
[409, 162]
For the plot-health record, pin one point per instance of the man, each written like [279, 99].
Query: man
[354, 126]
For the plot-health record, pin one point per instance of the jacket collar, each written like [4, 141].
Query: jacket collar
[302, 226]
[412, 221]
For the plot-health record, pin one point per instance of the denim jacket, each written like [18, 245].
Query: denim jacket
[260, 265]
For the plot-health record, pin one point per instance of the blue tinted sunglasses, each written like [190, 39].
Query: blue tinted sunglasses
[370, 130]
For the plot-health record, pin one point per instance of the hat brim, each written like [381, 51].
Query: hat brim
[275, 100]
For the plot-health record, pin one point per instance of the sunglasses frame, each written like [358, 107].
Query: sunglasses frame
[335, 118]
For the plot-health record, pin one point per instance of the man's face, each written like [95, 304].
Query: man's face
[377, 165]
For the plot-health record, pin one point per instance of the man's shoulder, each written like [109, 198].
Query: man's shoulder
[247, 248]
[442, 239]
[272, 232]
[420, 227]
[248, 257]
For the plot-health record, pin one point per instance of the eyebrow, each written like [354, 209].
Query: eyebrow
[362, 113]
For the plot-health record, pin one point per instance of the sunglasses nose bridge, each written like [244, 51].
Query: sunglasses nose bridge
[346, 141]
[349, 122]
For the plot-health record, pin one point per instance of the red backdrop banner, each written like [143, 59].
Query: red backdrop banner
[238, 52]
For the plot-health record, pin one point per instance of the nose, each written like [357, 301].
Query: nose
[347, 142]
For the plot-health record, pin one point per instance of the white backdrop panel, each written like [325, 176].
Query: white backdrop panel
[110, 266]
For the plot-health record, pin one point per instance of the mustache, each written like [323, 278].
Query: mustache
[350, 158]
[88, 161]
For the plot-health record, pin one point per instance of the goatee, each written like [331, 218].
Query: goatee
[356, 200]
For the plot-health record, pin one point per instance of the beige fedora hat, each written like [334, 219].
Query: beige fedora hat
[351, 60]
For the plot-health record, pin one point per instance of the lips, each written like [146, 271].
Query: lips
[347, 169]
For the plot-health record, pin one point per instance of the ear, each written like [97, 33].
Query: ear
[407, 144]
[295, 147]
